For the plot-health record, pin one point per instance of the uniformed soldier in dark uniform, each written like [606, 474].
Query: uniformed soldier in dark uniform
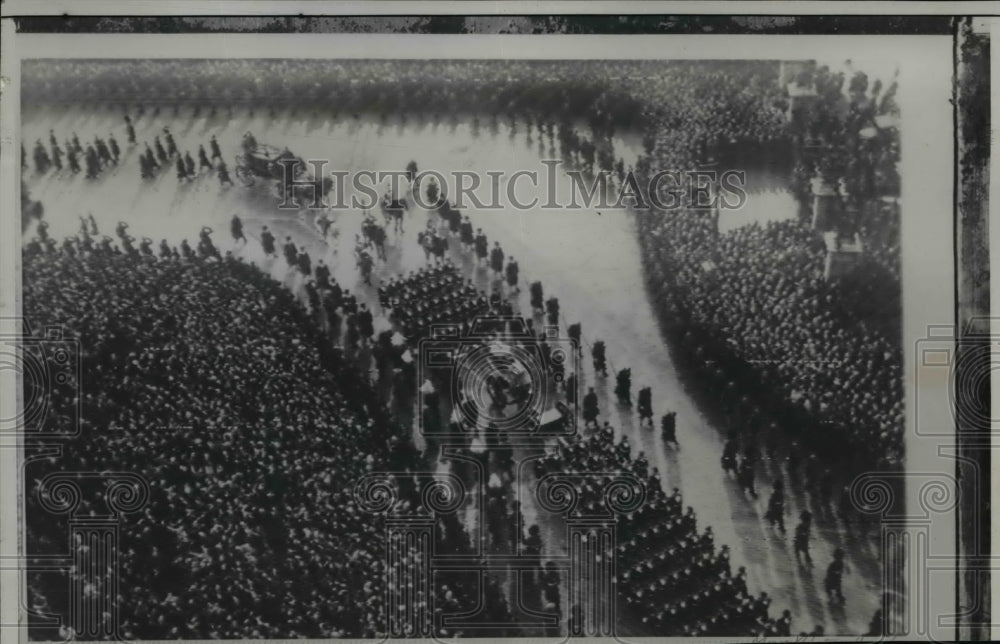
[57, 157]
[151, 161]
[322, 273]
[42, 161]
[745, 477]
[113, 147]
[496, 259]
[776, 506]
[511, 274]
[801, 542]
[600, 361]
[171, 145]
[482, 246]
[189, 164]
[93, 165]
[216, 152]
[72, 159]
[161, 154]
[366, 325]
[623, 387]
[834, 576]
[668, 429]
[102, 151]
[203, 161]
[552, 310]
[267, 242]
[537, 296]
[236, 229]
[590, 409]
[305, 263]
[224, 174]
[181, 170]
[465, 233]
[645, 405]
[129, 130]
[145, 171]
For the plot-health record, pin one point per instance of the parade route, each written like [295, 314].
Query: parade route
[596, 275]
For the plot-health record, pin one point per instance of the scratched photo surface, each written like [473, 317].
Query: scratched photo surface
[442, 348]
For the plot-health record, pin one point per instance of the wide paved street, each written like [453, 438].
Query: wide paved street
[588, 259]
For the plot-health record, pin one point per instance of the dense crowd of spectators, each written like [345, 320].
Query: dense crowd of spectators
[823, 356]
[757, 294]
[206, 377]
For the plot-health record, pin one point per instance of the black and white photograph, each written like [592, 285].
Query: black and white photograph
[494, 327]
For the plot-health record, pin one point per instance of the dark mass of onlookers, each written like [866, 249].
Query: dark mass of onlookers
[206, 377]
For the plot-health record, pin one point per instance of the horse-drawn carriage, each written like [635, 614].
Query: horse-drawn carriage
[289, 172]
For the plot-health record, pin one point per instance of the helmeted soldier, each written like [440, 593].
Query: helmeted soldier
[775, 514]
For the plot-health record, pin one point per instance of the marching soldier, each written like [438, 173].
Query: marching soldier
[590, 409]
[151, 161]
[600, 362]
[305, 263]
[291, 252]
[801, 541]
[552, 310]
[236, 228]
[267, 242]
[129, 130]
[189, 164]
[511, 273]
[72, 159]
[466, 235]
[224, 177]
[537, 302]
[745, 477]
[776, 506]
[181, 170]
[623, 386]
[834, 576]
[161, 154]
[113, 147]
[57, 157]
[668, 427]
[645, 406]
[496, 259]
[216, 152]
[203, 161]
[171, 145]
